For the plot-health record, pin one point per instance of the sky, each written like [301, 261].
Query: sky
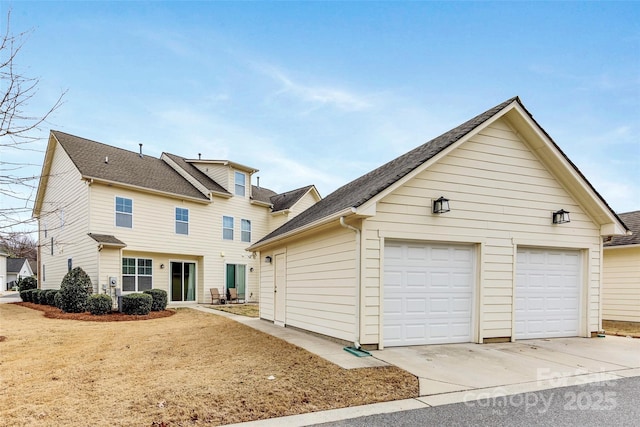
[323, 92]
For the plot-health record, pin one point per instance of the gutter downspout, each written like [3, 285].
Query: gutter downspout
[356, 342]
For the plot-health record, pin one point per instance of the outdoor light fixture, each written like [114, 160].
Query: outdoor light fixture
[161, 265]
[441, 205]
[561, 216]
[267, 259]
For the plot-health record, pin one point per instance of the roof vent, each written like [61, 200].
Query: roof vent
[106, 159]
[140, 144]
[258, 182]
[199, 156]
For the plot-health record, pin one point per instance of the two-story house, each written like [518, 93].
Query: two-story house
[136, 222]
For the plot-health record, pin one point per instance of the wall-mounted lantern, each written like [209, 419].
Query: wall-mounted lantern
[267, 259]
[561, 216]
[441, 205]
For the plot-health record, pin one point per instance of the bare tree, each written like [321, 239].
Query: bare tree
[19, 245]
[19, 128]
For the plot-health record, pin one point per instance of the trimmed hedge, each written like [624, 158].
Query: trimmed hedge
[99, 304]
[24, 295]
[50, 295]
[31, 295]
[57, 299]
[27, 283]
[76, 287]
[159, 299]
[36, 295]
[139, 304]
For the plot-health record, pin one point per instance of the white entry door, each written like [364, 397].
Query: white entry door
[428, 293]
[547, 302]
[280, 290]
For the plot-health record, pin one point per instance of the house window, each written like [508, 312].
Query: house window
[246, 230]
[137, 274]
[227, 228]
[182, 221]
[240, 184]
[124, 212]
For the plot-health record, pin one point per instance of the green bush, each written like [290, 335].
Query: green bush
[50, 295]
[30, 295]
[27, 283]
[139, 304]
[36, 295]
[76, 287]
[159, 299]
[99, 304]
[24, 295]
[57, 299]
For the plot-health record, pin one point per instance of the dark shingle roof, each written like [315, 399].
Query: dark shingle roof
[262, 194]
[632, 221]
[107, 240]
[15, 264]
[123, 166]
[286, 200]
[359, 191]
[200, 176]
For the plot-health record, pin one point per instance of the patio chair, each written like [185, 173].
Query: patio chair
[216, 298]
[233, 295]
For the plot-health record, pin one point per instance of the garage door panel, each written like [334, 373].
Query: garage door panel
[435, 283]
[547, 302]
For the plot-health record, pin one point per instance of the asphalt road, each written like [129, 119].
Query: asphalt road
[609, 403]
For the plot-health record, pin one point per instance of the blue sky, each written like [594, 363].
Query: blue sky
[323, 92]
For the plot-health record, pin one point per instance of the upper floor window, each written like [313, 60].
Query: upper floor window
[240, 184]
[124, 212]
[137, 274]
[227, 228]
[246, 230]
[182, 221]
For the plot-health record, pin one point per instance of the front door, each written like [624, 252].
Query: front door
[183, 281]
[280, 290]
[237, 278]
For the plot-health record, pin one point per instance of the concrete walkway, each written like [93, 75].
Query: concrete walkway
[453, 373]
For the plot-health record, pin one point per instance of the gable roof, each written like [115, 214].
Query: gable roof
[632, 220]
[284, 201]
[107, 163]
[358, 192]
[14, 265]
[198, 175]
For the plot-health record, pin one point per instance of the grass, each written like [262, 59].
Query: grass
[625, 329]
[249, 310]
[192, 368]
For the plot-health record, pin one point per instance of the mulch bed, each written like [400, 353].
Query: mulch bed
[55, 313]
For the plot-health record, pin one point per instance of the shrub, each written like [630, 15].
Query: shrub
[50, 295]
[57, 299]
[99, 304]
[139, 304]
[30, 294]
[75, 289]
[159, 299]
[35, 295]
[24, 295]
[27, 283]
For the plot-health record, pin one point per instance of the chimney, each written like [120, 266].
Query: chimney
[140, 144]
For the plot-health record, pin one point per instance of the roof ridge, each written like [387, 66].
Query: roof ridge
[103, 144]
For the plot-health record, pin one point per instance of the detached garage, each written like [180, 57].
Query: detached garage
[486, 233]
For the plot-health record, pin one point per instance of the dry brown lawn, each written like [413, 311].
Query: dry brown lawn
[250, 310]
[192, 368]
[625, 329]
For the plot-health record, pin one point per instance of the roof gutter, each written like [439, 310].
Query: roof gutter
[356, 339]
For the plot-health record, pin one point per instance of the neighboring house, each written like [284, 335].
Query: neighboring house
[17, 268]
[135, 222]
[3, 269]
[621, 281]
[387, 261]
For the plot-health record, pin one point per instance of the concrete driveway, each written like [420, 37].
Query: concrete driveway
[455, 372]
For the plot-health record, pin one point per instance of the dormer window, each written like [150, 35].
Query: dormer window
[240, 184]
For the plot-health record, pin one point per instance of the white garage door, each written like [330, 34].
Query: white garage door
[547, 293]
[428, 293]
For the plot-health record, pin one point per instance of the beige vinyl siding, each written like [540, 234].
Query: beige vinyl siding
[321, 284]
[501, 196]
[153, 232]
[64, 210]
[303, 204]
[621, 284]
[219, 173]
[109, 266]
